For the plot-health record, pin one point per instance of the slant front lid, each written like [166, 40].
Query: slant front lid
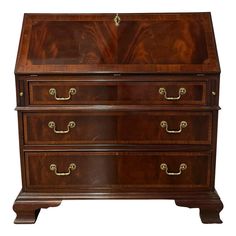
[132, 43]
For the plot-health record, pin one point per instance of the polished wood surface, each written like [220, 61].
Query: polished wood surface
[140, 170]
[93, 43]
[27, 211]
[127, 44]
[118, 128]
[116, 93]
[117, 85]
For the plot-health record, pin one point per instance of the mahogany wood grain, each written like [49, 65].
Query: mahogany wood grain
[118, 128]
[116, 93]
[127, 44]
[117, 143]
[111, 170]
[93, 43]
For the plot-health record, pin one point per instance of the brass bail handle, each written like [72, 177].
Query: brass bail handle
[182, 91]
[183, 124]
[117, 20]
[182, 167]
[53, 167]
[53, 92]
[70, 125]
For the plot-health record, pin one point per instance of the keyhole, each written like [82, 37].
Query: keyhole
[117, 20]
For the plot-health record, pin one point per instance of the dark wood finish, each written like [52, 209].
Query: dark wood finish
[117, 143]
[92, 43]
[118, 128]
[27, 211]
[210, 208]
[98, 108]
[116, 93]
[126, 169]
[209, 203]
[79, 44]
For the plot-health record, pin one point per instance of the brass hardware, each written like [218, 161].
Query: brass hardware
[182, 167]
[183, 124]
[162, 91]
[71, 167]
[52, 125]
[117, 20]
[53, 92]
[21, 94]
[213, 93]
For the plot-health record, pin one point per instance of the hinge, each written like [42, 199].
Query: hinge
[117, 74]
[200, 74]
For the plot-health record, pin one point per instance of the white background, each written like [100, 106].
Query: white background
[113, 217]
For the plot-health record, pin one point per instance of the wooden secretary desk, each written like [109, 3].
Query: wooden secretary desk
[117, 106]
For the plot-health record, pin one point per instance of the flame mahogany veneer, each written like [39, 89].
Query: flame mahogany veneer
[117, 108]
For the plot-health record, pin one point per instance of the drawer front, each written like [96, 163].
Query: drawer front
[118, 128]
[104, 93]
[75, 170]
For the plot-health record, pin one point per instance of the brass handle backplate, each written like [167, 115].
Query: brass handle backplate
[162, 91]
[183, 124]
[53, 167]
[53, 92]
[52, 125]
[117, 20]
[182, 167]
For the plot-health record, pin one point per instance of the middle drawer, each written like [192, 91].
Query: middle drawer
[68, 128]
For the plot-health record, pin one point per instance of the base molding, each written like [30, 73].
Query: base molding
[28, 204]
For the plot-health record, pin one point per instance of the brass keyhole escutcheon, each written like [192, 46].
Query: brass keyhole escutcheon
[117, 20]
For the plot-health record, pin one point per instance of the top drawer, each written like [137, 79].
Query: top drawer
[105, 93]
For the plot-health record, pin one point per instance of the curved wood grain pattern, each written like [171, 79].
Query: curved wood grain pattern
[176, 42]
[117, 143]
[151, 43]
[57, 42]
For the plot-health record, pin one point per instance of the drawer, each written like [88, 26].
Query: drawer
[78, 170]
[105, 93]
[117, 128]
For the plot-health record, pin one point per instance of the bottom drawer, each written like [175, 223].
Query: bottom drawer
[60, 171]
